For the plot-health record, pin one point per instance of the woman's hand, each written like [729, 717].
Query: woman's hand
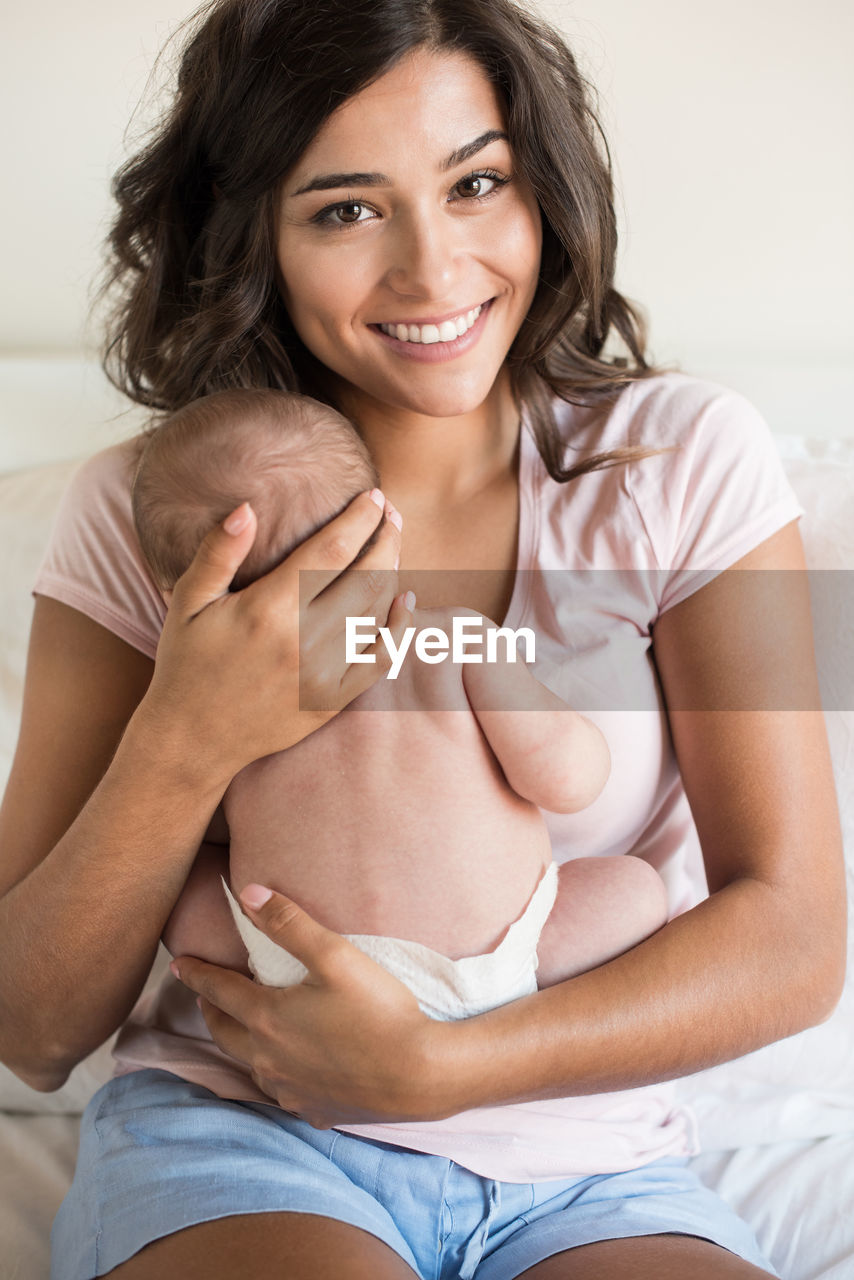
[242, 675]
[349, 1045]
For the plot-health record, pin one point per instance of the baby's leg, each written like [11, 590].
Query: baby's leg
[201, 923]
[604, 906]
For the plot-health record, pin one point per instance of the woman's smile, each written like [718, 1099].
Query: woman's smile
[437, 329]
[438, 340]
[408, 246]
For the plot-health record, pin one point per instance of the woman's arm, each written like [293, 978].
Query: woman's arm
[115, 778]
[82, 686]
[762, 958]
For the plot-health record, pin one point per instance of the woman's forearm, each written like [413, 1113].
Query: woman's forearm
[81, 930]
[742, 969]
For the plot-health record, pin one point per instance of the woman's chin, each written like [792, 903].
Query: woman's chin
[448, 398]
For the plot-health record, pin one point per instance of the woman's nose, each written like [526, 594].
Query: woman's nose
[425, 257]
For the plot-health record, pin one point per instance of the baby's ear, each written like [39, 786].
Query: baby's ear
[167, 596]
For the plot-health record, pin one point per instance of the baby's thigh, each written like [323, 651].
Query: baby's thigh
[604, 906]
[200, 923]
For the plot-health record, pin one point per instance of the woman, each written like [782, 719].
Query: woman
[334, 184]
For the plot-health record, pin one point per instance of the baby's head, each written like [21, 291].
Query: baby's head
[297, 461]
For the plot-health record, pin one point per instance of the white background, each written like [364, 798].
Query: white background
[730, 125]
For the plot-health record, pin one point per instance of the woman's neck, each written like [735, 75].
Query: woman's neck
[430, 461]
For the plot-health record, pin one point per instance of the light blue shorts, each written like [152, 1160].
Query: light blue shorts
[158, 1154]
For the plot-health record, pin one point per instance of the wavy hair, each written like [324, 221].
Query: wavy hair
[192, 250]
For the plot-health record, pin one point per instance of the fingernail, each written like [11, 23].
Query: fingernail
[395, 517]
[377, 496]
[238, 520]
[254, 896]
[409, 601]
[173, 966]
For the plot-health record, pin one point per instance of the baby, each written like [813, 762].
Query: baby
[410, 821]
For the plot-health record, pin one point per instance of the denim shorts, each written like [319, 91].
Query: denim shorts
[158, 1154]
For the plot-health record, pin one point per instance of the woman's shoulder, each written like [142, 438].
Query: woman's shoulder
[107, 476]
[664, 411]
[706, 487]
[93, 561]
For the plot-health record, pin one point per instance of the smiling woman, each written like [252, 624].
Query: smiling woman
[423, 245]
[404, 208]
[246, 160]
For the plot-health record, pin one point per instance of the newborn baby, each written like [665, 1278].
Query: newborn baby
[410, 821]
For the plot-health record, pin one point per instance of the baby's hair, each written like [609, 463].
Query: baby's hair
[297, 461]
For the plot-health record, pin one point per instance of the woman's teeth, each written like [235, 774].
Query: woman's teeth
[447, 331]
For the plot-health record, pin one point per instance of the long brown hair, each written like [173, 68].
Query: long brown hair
[192, 248]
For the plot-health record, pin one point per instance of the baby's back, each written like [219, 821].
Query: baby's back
[394, 818]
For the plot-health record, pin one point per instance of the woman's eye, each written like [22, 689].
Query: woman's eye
[478, 185]
[348, 214]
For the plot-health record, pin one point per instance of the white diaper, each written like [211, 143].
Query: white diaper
[445, 989]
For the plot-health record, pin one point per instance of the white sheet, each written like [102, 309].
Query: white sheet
[37, 1154]
[799, 1199]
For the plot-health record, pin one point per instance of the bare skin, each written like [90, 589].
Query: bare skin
[665, 1257]
[304, 1247]
[300, 1246]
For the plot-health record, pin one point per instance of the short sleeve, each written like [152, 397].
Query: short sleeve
[93, 562]
[718, 490]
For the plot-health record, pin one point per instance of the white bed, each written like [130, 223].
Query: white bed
[778, 1126]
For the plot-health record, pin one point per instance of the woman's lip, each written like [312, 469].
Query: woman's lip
[436, 352]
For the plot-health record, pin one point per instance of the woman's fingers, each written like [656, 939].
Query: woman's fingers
[325, 555]
[228, 1033]
[286, 924]
[360, 676]
[220, 555]
[226, 988]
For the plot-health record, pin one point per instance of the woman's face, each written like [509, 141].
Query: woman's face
[408, 246]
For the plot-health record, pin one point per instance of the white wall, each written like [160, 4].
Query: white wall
[730, 125]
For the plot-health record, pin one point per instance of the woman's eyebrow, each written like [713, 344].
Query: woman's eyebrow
[332, 181]
[471, 148]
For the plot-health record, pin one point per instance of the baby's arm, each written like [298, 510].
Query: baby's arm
[201, 923]
[550, 754]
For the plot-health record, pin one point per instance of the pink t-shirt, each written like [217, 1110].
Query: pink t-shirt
[599, 560]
